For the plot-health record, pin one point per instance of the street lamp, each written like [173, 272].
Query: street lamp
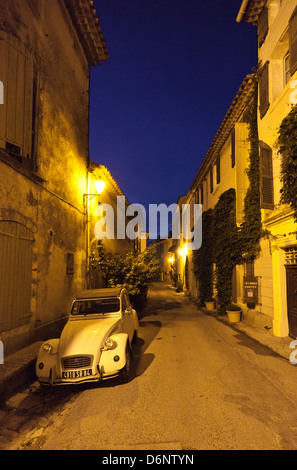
[100, 186]
[184, 252]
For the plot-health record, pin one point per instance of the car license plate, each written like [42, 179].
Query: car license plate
[76, 374]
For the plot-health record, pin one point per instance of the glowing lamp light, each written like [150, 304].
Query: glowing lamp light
[100, 186]
[183, 252]
[171, 260]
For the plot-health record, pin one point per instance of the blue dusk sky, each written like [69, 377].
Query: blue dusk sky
[156, 104]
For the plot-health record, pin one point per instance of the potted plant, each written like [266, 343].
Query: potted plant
[234, 313]
[210, 303]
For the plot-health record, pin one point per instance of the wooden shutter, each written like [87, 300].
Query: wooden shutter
[263, 27]
[218, 166]
[233, 159]
[16, 73]
[264, 90]
[293, 42]
[16, 248]
[211, 179]
[197, 196]
[267, 192]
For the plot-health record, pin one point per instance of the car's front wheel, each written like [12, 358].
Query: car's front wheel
[126, 372]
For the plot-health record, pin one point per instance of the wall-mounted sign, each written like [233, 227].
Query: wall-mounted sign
[251, 290]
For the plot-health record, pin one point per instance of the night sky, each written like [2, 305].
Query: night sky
[157, 103]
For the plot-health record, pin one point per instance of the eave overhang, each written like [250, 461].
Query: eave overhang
[239, 104]
[86, 23]
[250, 11]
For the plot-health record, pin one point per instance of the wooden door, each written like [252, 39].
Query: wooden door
[292, 299]
[16, 247]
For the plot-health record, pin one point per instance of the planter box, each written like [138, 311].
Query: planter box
[234, 316]
[210, 306]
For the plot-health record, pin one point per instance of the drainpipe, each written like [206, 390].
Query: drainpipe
[242, 10]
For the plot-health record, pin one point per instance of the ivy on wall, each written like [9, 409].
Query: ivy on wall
[223, 243]
[227, 246]
[203, 259]
[251, 229]
[287, 140]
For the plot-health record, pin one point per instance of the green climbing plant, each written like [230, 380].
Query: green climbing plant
[287, 140]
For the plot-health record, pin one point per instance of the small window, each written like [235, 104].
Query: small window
[70, 263]
[291, 255]
[201, 194]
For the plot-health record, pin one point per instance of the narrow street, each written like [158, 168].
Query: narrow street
[197, 384]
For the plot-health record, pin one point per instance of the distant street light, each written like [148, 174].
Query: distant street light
[99, 186]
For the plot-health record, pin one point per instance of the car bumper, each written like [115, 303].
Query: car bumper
[77, 381]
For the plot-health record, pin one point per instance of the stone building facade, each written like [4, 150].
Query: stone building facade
[46, 51]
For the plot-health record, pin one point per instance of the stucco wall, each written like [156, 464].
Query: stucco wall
[52, 205]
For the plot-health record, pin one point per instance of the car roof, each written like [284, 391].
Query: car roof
[99, 293]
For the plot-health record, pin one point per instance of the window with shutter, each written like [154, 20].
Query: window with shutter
[218, 166]
[18, 113]
[293, 42]
[211, 179]
[264, 90]
[201, 194]
[197, 197]
[263, 27]
[267, 192]
[233, 149]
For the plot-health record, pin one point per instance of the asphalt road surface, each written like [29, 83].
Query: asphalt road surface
[197, 384]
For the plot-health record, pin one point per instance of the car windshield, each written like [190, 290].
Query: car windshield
[96, 306]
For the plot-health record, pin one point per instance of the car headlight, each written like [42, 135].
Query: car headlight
[109, 344]
[48, 348]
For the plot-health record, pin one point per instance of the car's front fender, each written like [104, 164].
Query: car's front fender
[47, 365]
[135, 320]
[113, 360]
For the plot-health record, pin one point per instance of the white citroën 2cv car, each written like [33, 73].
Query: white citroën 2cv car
[95, 344]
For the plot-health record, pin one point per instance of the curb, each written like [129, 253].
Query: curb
[280, 346]
[18, 371]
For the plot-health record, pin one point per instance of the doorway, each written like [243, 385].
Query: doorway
[292, 299]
